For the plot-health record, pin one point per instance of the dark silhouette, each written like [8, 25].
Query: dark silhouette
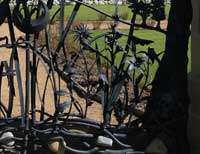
[169, 100]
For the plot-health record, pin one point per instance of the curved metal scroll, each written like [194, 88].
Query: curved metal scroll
[113, 77]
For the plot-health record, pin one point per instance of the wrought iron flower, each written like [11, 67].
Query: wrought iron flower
[82, 32]
[135, 63]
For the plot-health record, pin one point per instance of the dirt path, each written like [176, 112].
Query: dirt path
[4, 31]
[95, 112]
[106, 24]
[122, 26]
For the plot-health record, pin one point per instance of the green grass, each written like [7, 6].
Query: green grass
[158, 45]
[157, 37]
[86, 14]
[90, 15]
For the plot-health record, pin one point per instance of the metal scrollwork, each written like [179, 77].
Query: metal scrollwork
[113, 76]
[3, 11]
[25, 23]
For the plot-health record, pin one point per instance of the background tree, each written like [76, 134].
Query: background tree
[169, 101]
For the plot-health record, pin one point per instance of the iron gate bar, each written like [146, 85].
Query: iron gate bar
[14, 56]
[58, 126]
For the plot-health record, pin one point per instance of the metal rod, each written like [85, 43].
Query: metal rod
[14, 56]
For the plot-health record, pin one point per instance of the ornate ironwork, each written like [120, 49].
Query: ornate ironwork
[116, 78]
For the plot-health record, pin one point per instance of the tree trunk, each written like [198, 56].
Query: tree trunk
[169, 100]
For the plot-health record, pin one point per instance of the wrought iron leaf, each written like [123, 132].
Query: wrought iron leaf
[98, 60]
[139, 61]
[118, 84]
[152, 55]
[119, 48]
[139, 78]
[131, 67]
[135, 63]
[103, 79]
[118, 34]
[140, 41]
[136, 93]
[61, 92]
[158, 10]
[103, 87]
[68, 70]
[119, 111]
[50, 3]
[63, 106]
[109, 40]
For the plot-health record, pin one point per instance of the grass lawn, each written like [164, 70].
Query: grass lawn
[158, 38]
[158, 45]
[90, 15]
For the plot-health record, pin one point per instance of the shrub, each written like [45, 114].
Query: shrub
[70, 44]
[100, 19]
[75, 24]
[124, 15]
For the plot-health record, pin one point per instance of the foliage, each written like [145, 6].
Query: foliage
[124, 15]
[90, 15]
[100, 19]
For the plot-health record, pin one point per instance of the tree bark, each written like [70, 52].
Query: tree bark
[169, 100]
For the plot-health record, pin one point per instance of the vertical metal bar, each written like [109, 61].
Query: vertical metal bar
[52, 69]
[27, 92]
[116, 12]
[33, 81]
[130, 35]
[116, 8]
[14, 56]
[27, 82]
[34, 72]
[11, 89]
[67, 28]
[62, 15]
